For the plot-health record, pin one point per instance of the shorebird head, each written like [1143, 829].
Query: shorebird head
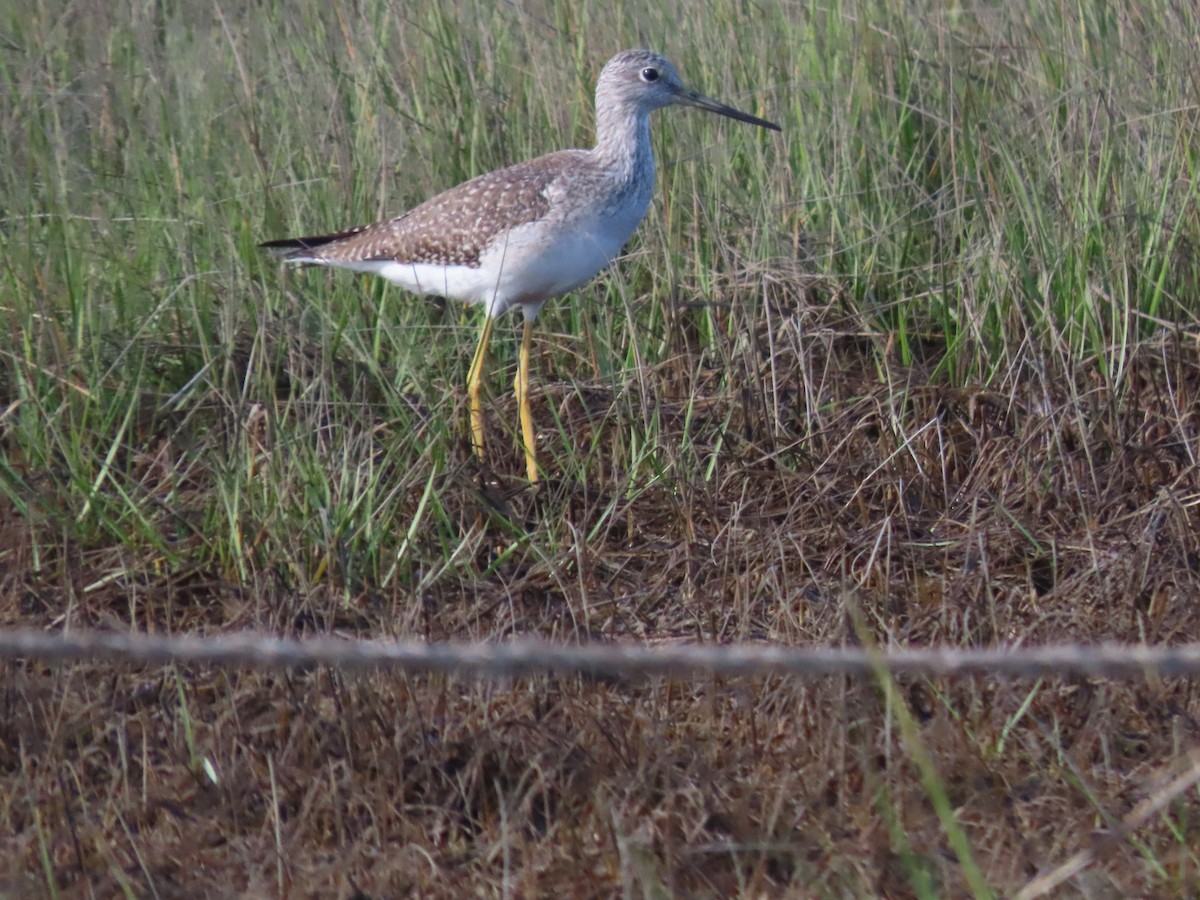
[646, 81]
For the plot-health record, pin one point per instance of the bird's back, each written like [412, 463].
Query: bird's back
[452, 228]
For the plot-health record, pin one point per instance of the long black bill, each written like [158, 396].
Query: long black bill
[698, 100]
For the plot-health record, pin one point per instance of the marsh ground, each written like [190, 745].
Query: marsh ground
[921, 370]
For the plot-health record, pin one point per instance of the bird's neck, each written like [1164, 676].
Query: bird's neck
[623, 142]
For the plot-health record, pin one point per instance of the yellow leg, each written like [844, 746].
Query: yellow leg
[522, 389]
[475, 384]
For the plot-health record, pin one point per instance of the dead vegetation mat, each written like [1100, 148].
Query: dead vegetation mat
[1053, 504]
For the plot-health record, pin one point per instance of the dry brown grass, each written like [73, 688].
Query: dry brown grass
[1049, 507]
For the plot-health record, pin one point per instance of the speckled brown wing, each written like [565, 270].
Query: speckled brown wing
[451, 229]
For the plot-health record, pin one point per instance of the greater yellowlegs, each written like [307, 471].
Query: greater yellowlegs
[536, 230]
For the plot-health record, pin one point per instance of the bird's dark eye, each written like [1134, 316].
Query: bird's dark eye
[649, 74]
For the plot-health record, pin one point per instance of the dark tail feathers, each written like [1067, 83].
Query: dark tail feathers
[290, 248]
